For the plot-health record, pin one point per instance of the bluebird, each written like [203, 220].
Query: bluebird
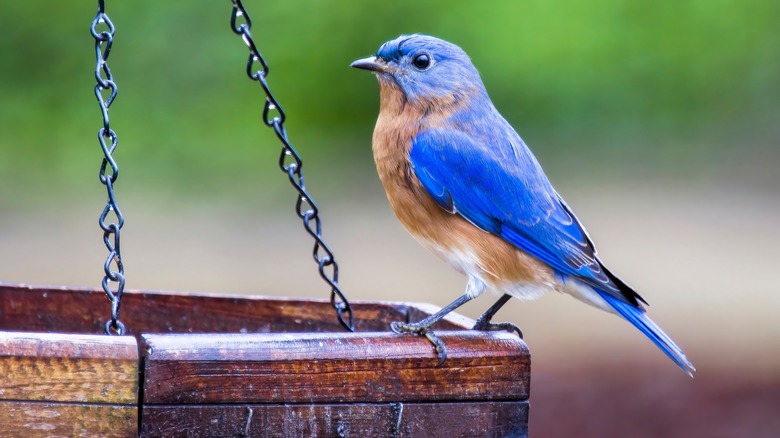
[467, 187]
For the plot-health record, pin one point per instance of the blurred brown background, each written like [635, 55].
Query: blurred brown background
[657, 122]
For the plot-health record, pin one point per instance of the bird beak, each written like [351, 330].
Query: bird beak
[372, 63]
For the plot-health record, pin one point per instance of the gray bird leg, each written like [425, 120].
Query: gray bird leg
[484, 324]
[423, 327]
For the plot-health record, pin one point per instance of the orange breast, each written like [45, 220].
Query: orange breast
[447, 234]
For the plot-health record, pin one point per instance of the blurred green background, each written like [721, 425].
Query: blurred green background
[685, 90]
[658, 121]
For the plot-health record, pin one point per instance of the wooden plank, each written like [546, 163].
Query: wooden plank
[333, 368]
[43, 419]
[74, 368]
[76, 310]
[402, 420]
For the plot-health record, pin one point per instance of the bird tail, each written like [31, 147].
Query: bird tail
[638, 318]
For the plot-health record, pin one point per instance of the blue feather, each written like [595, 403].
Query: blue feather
[493, 180]
[639, 319]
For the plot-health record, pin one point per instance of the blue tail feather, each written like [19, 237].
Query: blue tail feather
[638, 318]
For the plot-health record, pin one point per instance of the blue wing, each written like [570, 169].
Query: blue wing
[493, 180]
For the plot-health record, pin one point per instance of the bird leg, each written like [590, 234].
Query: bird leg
[424, 327]
[484, 324]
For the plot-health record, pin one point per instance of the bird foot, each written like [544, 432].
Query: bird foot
[419, 329]
[485, 325]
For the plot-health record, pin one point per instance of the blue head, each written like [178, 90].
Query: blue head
[427, 70]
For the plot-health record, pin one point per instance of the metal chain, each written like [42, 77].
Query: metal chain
[291, 164]
[105, 91]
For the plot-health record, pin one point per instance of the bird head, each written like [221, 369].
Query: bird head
[427, 70]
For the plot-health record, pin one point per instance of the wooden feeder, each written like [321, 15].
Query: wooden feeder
[197, 365]
[214, 365]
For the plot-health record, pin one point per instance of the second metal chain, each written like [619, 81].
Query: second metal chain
[105, 91]
[290, 163]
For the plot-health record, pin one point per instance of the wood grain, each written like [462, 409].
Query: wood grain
[77, 310]
[42, 419]
[401, 420]
[74, 368]
[332, 368]
[287, 361]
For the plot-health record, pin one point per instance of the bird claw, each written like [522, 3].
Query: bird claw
[483, 325]
[404, 328]
[441, 349]
[416, 329]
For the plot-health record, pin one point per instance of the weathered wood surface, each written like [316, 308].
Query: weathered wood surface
[44, 419]
[76, 310]
[333, 368]
[54, 384]
[287, 361]
[72, 368]
[401, 420]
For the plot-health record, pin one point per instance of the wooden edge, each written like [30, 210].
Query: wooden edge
[329, 367]
[78, 310]
[33, 344]
[44, 419]
[402, 420]
[69, 368]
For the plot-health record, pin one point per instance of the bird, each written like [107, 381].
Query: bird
[467, 187]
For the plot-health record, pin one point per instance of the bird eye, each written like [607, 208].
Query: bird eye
[422, 61]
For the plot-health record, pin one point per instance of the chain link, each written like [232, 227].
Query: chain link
[105, 92]
[291, 164]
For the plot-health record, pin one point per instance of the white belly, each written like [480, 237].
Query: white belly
[465, 260]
